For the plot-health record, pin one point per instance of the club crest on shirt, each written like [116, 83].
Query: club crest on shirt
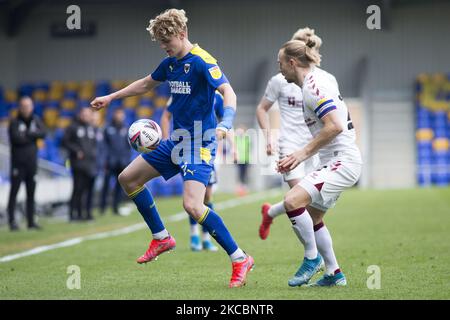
[291, 101]
[215, 72]
[187, 66]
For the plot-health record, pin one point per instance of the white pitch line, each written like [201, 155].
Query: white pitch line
[135, 227]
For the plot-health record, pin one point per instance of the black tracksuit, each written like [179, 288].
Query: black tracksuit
[23, 134]
[118, 155]
[81, 138]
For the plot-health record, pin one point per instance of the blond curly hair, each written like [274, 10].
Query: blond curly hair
[167, 24]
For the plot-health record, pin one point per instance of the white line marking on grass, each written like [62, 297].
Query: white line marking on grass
[139, 226]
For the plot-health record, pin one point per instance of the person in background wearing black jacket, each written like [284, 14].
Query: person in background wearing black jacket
[118, 155]
[80, 140]
[24, 131]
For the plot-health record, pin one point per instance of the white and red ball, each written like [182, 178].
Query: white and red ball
[144, 135]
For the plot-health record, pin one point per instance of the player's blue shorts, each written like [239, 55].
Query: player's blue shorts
[212, 177]
[197, 165]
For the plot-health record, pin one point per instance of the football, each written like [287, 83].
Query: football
[144, 135]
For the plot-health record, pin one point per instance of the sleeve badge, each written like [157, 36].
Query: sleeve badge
[215, 72]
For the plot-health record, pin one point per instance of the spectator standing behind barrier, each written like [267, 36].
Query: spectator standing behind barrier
[118, 154]
[97, 121]
[242, 145]
[80, 140]
[24, 131]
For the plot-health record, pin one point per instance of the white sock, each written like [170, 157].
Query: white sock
[194, 230]
[161, 235]
[206, 236]
[325, 246]
[238, 255]
[302, 225]
[277, 209]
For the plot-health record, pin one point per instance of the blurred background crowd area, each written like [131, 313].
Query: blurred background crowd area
[57, 103]
[433, 129]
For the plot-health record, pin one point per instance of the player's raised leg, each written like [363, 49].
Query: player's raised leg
[133, 179]
[333, 275]
[295, 203]
[193, 196]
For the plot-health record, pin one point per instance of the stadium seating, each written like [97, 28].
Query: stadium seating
[433, 129]
[57, 103]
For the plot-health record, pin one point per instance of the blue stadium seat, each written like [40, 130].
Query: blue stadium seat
[4, 114]
[440, 169]
[39, 109]
[84, 103]
[102, 88]
[70, 94]
[43, 86]
[52, 104]
[26, 89]
[146, 102]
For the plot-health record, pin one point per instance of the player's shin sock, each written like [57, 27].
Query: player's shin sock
[205, 234]
[325, 246]
[219, 231]
[302, 225]
[194, 226]
[147, 207]
[276, 209]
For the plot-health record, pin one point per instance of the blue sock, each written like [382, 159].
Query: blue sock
[218, 230]
[211, 206]
[192, 221]
[147, 207]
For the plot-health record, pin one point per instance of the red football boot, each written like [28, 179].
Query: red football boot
[240, 270]
[156, 248]
[264, 228]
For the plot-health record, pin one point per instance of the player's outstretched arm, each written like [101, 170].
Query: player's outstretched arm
[330, 130]
[138, 87]
[263, 120]
[229, 110]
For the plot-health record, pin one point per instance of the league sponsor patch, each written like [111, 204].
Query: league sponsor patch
[215, 72]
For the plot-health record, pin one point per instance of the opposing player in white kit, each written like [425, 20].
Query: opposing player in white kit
[328, 119]
[294, 134]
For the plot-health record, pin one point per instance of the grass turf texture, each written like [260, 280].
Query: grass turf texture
[404, 232]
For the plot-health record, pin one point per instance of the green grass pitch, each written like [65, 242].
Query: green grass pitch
[404, 232]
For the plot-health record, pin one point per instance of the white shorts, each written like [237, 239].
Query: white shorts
[325, 185]
[303, 168]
